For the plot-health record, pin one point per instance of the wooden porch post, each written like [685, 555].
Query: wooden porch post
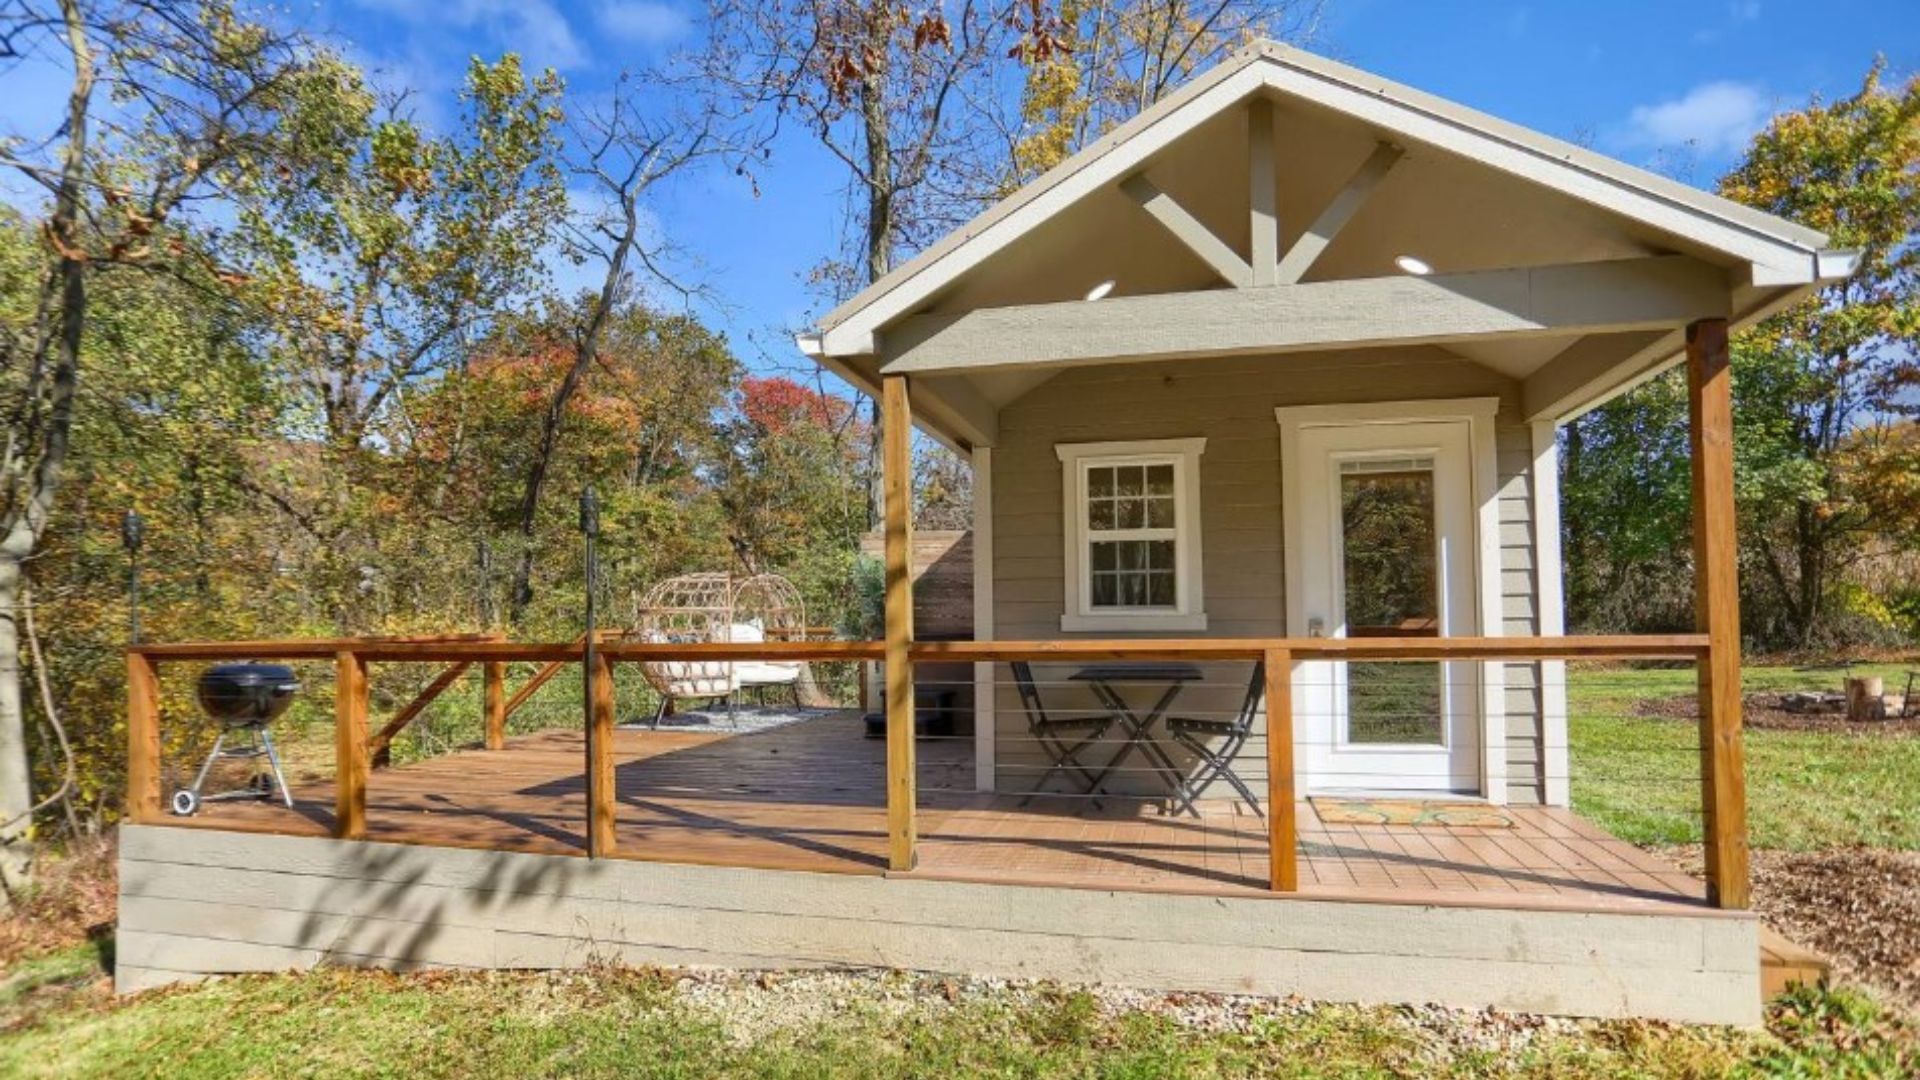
[494, 691]
[349, 745]
[1283, 831]
[600, 790]
[143, 738]
[1723, 779]
[896, 472]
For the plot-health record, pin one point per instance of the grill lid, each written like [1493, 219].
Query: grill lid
[247, 693]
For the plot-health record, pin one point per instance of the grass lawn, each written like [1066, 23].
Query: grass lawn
[643, 1023]
[1638, 776]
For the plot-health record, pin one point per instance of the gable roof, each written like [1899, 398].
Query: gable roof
[1776, 252]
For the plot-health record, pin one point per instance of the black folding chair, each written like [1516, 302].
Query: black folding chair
[1216, 759]
[1048, 730]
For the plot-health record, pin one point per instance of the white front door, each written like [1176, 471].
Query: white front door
[1386, 527]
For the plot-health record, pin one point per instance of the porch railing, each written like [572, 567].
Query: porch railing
[1720, 762]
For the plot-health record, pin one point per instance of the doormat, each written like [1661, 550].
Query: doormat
[1409, 812]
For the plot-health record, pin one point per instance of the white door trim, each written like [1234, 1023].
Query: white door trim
[1479, 413]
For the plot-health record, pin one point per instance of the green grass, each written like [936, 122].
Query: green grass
[1638, 776]
[335, 1023]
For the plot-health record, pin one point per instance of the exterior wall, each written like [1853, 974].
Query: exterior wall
[1231, 403]
[195, 902]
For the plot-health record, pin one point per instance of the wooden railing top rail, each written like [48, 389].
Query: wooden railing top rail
[298, 648]
[479, 648]
[1586, 647]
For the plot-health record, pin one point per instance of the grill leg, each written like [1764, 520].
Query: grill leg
[273, 762]
[207, 766]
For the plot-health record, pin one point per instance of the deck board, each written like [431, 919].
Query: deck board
[809, 796]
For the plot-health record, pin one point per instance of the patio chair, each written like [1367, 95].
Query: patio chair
[1047, 730]
[1216, 758]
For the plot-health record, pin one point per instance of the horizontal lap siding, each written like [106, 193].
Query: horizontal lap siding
[1231, 403]
[1513, 448]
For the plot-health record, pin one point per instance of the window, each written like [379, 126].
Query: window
[1133, 535]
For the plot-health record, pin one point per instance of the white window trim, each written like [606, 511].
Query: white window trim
[1189, 613]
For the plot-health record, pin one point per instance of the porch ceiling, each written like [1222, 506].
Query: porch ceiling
[1182, 208]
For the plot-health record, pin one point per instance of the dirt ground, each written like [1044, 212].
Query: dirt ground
[1763, 712]
[72, 900]
[1858, 907]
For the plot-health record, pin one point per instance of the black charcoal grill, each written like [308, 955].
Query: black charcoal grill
[243, 699]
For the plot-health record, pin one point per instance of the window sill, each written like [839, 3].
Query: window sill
[1143, 621]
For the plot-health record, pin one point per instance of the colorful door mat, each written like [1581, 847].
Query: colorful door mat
[1360, 811]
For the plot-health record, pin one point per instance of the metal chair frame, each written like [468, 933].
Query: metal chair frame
[1216, 762]
[1046, 729]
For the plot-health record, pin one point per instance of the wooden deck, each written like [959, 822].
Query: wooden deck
[808, 796]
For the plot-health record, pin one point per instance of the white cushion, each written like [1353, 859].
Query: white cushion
[687, 678]
[764, 673]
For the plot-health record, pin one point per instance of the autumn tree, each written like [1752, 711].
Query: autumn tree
[622, 154]
[791, 488]
[894, 92]
[642, 427]
[373, 255]
[1100, 62]
[1821, 393]
[1809, 379]
[166, 105]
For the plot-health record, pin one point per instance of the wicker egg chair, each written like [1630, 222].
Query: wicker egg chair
[720, 607]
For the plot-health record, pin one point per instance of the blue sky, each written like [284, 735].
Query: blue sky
[1674, 85]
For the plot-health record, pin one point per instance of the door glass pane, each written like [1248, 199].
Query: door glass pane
[1391, 590]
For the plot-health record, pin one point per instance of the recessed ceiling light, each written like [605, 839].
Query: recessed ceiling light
[1099, 291]
[1412, 265]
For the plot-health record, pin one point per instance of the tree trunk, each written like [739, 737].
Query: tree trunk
[1864, 699]
[32, 494]
[880, 196]
[586, 348]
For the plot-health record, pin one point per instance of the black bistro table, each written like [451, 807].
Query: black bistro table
[1108, 680]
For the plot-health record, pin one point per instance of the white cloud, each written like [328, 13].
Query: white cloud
[644, 22]
[533, 28]
[1716, 118]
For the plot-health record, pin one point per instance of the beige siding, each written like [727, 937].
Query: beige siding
[1231, 403]
[1513, 447]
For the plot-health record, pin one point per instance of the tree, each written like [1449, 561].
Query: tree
[1820, 394]
[790, 487]
[642, 431]
[624, 155]
[1807, 380]
[1625, 510]
[193, 93]
[895, 95]
[1099, 63]
[373, 255]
